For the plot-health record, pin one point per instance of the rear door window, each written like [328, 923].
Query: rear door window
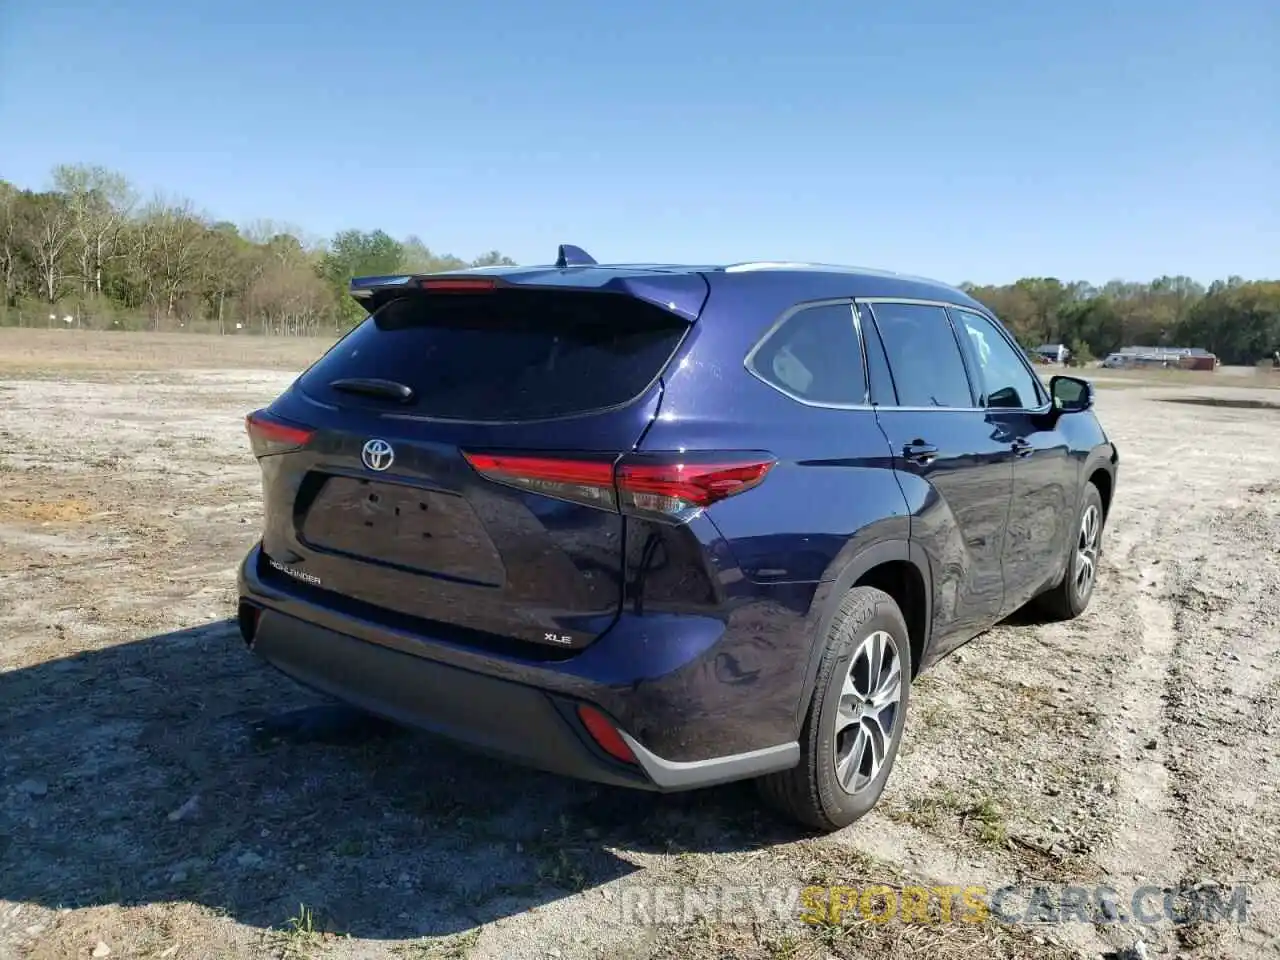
[814, 356]
[924, 356]
[503, 356]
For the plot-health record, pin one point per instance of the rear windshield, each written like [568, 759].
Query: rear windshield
[506, 355]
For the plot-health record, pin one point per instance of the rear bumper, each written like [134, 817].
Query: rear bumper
[489, 713]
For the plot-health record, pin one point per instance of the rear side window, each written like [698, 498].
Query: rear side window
[924, 356]
[503, 356]
[814, 355]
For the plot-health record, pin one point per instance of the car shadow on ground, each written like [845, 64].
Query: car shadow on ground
[181, 768]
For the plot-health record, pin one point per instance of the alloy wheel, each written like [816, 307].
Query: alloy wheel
[1087, 550]
[868, 712]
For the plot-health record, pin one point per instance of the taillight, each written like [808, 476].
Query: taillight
[268, 434]
[656, 485]
[659, 486]
[582, 481]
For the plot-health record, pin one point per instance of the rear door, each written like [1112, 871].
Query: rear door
[956, 472]
[382, 514]
[1045, 477]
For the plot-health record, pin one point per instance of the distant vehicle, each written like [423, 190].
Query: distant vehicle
[667, 526]
[1116, 361]
[1053, 353]
[1183, 358]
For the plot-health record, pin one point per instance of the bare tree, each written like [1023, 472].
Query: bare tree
[10, 241]
[289, 299]
[224, 269]
[47, 231]
[99, 202]
[173, 237]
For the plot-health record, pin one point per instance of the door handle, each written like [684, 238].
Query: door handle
[917, 451]
[1022, 447]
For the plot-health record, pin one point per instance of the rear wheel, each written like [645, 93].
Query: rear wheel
[1069, 598]
[856, 716]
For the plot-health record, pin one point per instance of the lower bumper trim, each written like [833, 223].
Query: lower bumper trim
[486, 713]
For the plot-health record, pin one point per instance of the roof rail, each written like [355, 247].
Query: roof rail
[760, 265]
[750, 265]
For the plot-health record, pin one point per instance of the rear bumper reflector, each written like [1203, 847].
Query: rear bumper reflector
[605, 734]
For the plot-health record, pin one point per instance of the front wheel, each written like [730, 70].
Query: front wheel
[856, 716]
[1069, 598]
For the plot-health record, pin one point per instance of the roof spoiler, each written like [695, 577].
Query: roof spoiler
[681, 294]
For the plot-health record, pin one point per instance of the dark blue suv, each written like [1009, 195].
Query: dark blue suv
[667, 526]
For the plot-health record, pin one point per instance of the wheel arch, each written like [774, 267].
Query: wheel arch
[1099, 474]
[900, 568]
[1100, 469]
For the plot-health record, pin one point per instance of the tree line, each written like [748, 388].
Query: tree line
[1236, 319]
[90, 253]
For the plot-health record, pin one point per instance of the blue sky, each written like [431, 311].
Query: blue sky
[967, 141]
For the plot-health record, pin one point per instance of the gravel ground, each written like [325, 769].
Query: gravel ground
[164, 795]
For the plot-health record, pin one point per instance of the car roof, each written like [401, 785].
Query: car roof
[856, 281]
[682, 287]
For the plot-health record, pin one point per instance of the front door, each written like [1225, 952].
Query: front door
[1044, 476]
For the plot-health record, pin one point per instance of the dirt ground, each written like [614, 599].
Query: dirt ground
[162, 794]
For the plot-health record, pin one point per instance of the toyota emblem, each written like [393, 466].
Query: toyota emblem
[377, 455]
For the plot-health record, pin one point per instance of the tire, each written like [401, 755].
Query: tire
[812, 792]
[1069, 598]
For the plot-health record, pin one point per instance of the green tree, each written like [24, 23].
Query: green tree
[355, 253]
[493, 259]
[164, 263]
[418, 258]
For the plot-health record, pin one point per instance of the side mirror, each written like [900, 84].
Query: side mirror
[1071, 394]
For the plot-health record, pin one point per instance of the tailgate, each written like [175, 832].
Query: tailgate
[380, 511]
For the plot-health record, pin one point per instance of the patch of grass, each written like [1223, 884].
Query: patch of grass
[562, 869]
[455, 947]
[785, 947]
[350, 847]
[302, 936]
[1241, 404]
[932, 713]
[927, 811]
[826, 864]
[684, 866]
[855, 940]
[931, 811]
[559, 859]
[482, 896]
[989, 817]
[1159, 377]
[299, 938]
